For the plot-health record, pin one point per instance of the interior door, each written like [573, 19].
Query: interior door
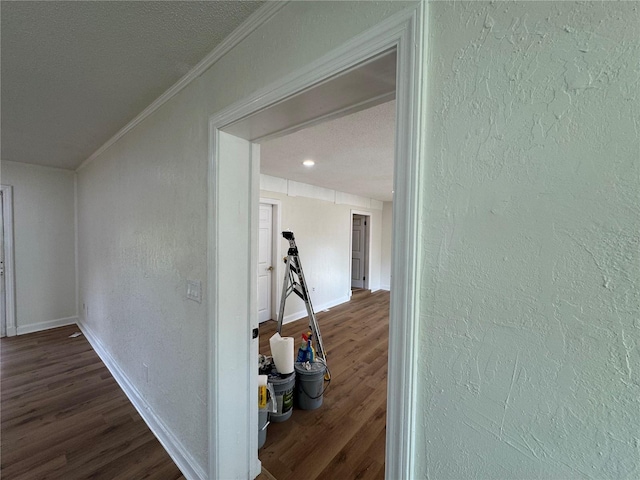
[3, 298]
[265, 265]
[358, 251]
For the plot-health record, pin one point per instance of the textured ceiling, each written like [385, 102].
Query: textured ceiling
[74, 73]
[353, 154]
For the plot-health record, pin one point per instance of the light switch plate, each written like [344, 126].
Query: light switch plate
[194, 290]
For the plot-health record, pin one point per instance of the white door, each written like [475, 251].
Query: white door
[265, 265]
[358, 245]
[3, 303]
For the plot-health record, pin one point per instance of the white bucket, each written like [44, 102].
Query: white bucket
[283, 386]
[282, 353]
[263, 423]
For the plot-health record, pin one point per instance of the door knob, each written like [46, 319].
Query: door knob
[270, 268]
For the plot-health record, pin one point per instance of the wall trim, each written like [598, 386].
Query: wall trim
[9, 261]
[350, 110]
[385, 287]
[292, 317]
[47, 325]
[178, 453]
[255, 20]
[37, 165]
[75, 239]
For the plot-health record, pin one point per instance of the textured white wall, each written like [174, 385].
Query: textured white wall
[143, 215]
[323, 233]
[531, 286]
[44, 236]
[387, 236]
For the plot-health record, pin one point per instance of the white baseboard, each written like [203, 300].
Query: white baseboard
[176, 450]
[40, 326]
[385, 287]
[292, 317]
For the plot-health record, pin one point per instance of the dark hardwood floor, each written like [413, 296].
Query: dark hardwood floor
[345, 437]
[63, 416]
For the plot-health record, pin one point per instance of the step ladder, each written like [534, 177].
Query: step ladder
[294, 282]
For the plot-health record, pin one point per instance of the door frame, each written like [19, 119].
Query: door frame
[9, 261]
[276, 230]
[405, 32]
[367, 242]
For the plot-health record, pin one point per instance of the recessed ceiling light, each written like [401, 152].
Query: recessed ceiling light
[308, 163]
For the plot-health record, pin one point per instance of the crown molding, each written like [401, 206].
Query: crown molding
[253, 22]
[37, 165]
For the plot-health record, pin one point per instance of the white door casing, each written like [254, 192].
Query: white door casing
[265, 262]
[276, 230]
[405, 32]
[358, 246]
[9, 297]
[363, 237]
[3, 312]
[232, 267]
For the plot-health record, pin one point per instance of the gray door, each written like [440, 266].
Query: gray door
[358, 254]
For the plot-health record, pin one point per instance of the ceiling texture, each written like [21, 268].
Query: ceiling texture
[74, 73]
[352, 154]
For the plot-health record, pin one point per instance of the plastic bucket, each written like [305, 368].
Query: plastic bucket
[310, 385]
[263, 423]
[283, 389]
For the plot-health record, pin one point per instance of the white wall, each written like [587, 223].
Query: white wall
[387, 236]
[531, 307]
[143, 216]
[323, 233]
[44, 236]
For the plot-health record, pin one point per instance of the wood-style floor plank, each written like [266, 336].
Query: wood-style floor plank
[64, 416]
[345, 437]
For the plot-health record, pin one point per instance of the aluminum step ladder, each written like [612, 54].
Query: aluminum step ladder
[294, 282]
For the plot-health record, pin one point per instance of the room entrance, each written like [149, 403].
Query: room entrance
[234, 186]
[360, 236]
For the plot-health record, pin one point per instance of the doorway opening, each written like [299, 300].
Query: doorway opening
[265, 262]
[268, 258]
[360, 240]
[234, 179]
[334, 234]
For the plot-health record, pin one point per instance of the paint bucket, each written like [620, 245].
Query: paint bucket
[263, 423]
[309, 385]
[283, 389]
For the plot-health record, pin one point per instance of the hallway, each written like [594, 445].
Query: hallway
[65, 417]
